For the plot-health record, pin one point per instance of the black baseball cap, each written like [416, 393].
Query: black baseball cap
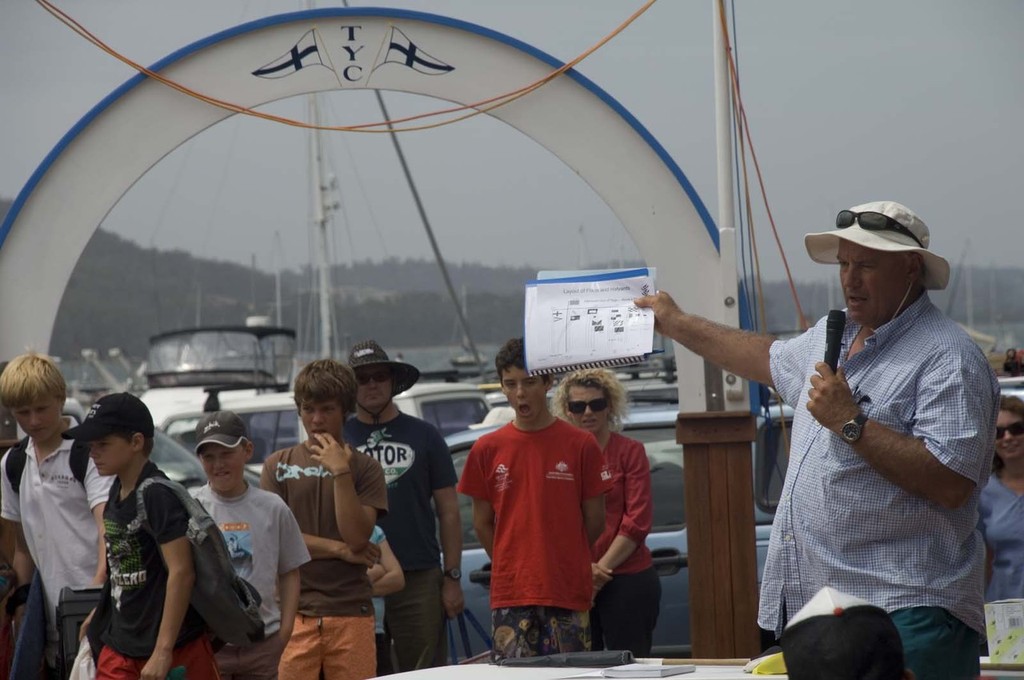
[842, 637]
[113, 413]
[220, 427]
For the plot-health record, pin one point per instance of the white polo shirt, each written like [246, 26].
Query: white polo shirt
[55, 512]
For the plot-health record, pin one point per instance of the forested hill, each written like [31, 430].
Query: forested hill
[120, 294]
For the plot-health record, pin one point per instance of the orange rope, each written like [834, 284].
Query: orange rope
[742, 115]
[474, 109]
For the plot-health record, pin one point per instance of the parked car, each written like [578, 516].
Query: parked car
[1012, 386]
[655, 427]
[450, 407]
[178, 463]
[273, 420]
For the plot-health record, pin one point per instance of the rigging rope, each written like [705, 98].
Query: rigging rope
[741, 121]
[490, 104]
[742, 131]
[474, 109]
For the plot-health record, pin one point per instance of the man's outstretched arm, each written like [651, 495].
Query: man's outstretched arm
[738, 351]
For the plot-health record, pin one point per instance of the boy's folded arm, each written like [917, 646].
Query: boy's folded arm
[355, 519]
[393, 579]
[321, 548]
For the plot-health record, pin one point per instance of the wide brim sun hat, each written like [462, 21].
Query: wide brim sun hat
[369, 353]
[823, 246]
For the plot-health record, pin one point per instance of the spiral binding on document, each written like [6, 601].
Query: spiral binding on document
[605, 363]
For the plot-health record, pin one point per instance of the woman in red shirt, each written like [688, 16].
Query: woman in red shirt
[626, 587]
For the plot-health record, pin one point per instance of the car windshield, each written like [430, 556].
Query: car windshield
[177, 462]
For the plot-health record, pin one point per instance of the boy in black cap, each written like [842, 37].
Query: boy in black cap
[264, 542]
[418, 469]
[842, 637]
[150, 625]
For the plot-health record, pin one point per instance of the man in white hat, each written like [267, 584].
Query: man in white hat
[888, 454]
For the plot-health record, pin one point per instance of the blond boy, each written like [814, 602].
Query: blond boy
[58, 520]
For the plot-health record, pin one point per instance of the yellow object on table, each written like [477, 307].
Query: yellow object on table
[771, 664]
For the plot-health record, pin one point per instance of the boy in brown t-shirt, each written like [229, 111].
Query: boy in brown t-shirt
[336, 496]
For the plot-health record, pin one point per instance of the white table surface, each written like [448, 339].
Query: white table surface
[489, 672]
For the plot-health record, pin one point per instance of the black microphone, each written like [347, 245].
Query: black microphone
[834, 337]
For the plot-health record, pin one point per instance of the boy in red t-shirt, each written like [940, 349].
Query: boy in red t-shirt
[538, 504]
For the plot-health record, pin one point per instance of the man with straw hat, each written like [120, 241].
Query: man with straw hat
[888, 453]
[418, 469]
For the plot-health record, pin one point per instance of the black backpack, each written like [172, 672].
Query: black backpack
[15, 466]
[229, 604]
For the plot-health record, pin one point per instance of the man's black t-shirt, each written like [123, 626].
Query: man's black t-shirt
[416, 463]
[135, 567]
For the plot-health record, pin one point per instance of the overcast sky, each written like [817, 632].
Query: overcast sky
[917, 101]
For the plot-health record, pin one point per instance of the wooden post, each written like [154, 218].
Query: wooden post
[720, 536]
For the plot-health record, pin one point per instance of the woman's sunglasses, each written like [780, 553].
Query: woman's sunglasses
[1015, 430]
[580, 407]
[873, 221]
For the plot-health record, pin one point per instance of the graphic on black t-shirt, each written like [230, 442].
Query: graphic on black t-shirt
[124, 557]
[395, 457]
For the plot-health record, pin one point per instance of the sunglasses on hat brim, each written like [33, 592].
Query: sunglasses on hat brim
[873, 221]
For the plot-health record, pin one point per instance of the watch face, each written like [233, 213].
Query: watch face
[454, 573]
[851, 431]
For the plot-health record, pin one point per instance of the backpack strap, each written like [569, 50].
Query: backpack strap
[15, 466]
[141, 516]
[79, 460]
[192, 507]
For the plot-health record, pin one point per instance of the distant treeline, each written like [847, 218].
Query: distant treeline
[120, 294]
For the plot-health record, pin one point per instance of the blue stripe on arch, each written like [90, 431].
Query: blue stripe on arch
[385, 12]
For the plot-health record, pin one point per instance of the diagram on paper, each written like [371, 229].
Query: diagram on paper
[586, 321]
[581, 330]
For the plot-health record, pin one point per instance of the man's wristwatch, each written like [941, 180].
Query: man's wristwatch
[454, 573]
[853, 429]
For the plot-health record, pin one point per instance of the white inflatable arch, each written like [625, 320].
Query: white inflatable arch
[99, 159]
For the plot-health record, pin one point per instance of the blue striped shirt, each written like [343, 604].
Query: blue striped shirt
[840, 523]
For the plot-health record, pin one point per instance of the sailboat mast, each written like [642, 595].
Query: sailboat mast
[715, 379]
[320, 221]
[463, 321]
[277, 277]
[459, 314]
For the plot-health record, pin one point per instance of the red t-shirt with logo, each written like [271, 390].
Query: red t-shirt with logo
[537, 482]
